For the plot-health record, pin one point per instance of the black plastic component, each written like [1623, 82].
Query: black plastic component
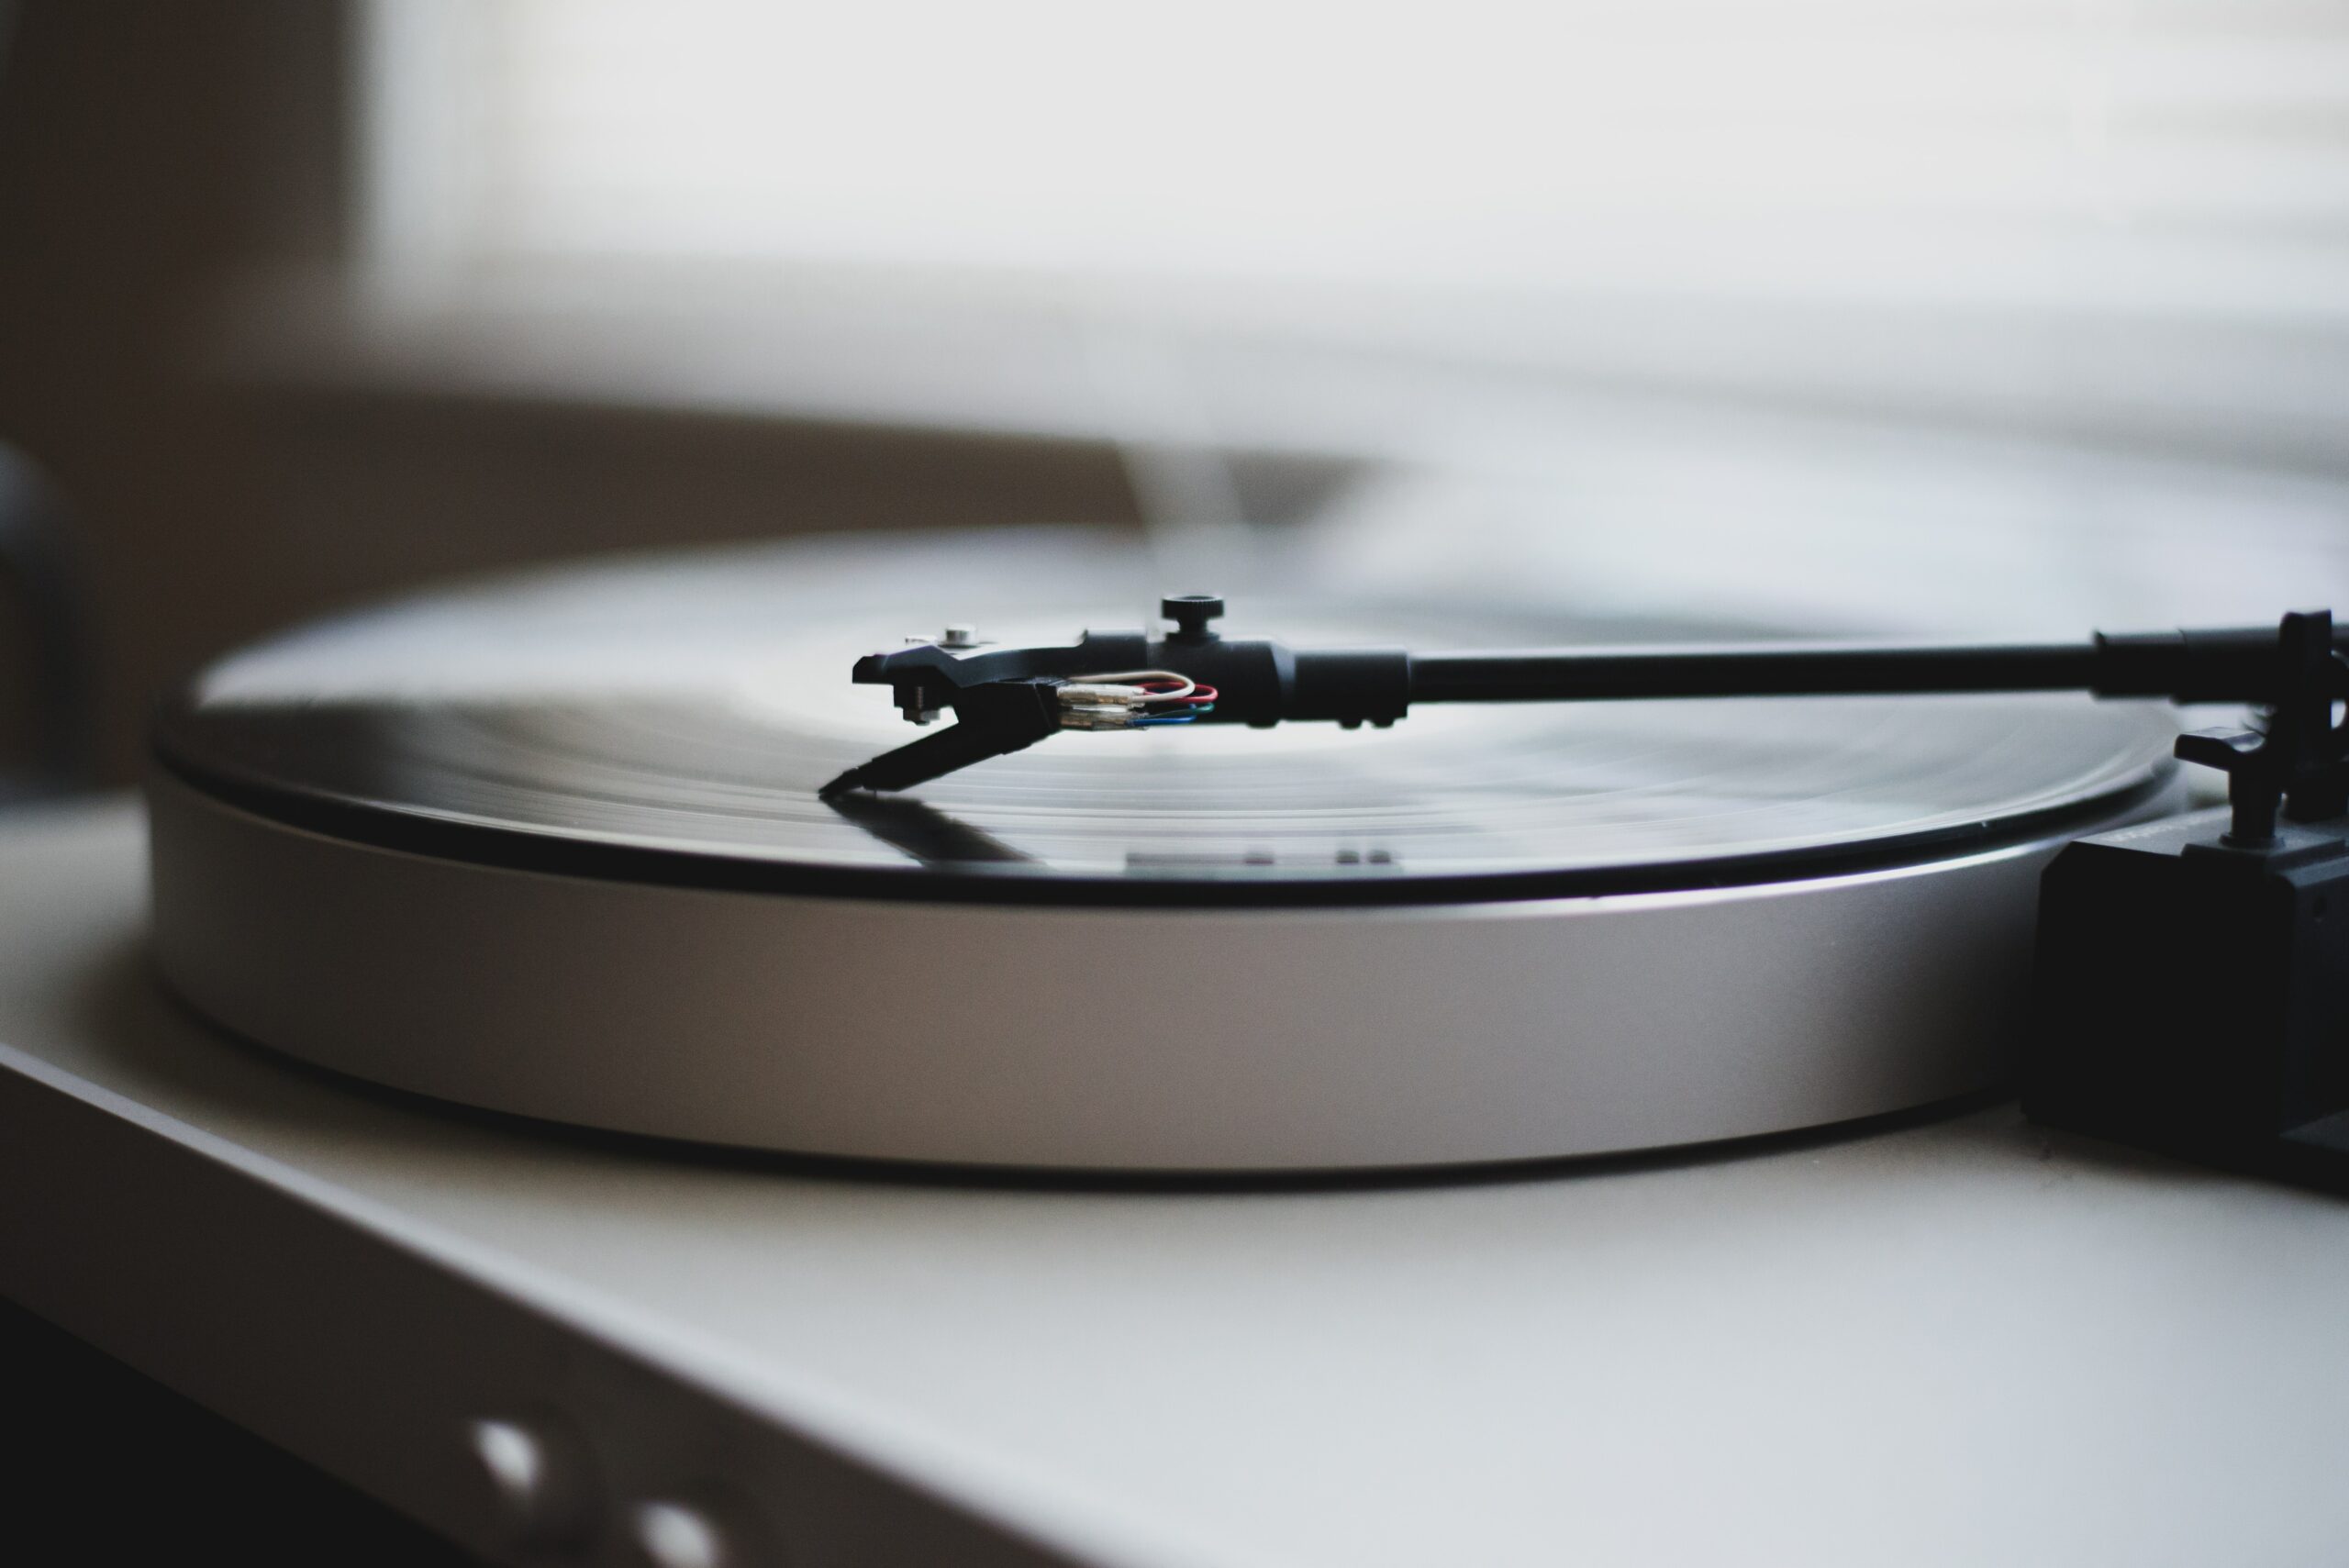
[1351, 686]
[2193, 976]
[993, 721]
[2299, 763]
[2191, 996]
[1190, 613]
[2233, 665]
[40, 572]
[1005, 698]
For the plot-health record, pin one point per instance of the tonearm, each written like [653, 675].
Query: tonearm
[1005, 699]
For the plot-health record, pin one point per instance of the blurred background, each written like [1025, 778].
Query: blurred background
[1960, 317]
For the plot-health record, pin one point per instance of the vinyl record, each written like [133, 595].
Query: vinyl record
[674, 723]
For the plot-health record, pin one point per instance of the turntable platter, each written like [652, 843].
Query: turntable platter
[676, 722]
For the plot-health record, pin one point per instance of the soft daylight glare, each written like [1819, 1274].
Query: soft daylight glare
[1887, 145]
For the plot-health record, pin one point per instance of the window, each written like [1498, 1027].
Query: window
[1688, 189]
[2074, 225]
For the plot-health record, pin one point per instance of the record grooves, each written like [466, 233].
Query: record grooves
[952, 862]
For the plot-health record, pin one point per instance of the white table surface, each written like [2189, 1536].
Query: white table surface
[1958, 1342]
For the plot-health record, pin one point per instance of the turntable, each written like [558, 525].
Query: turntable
[582, 847]
[1161, 1141]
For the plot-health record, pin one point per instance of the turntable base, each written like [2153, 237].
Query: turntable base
[1328, 1039]
[1955, 1344]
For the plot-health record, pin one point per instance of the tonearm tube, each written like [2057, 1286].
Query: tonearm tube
[1005, 699]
